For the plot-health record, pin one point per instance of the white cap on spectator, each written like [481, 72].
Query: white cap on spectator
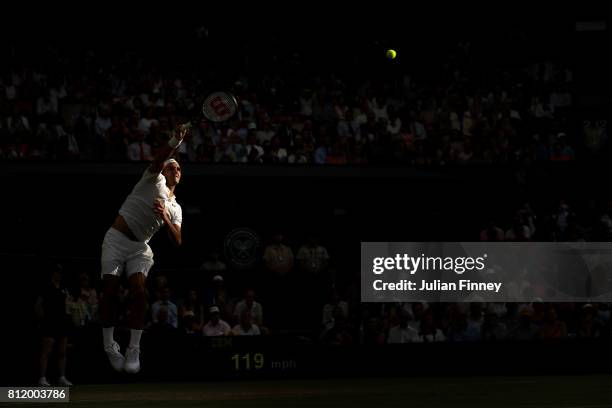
[213, 309]
[252, 126]
[217, 278]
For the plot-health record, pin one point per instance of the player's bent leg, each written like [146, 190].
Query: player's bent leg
[112, 266]
[137, 268]
[109, 307]
[136, 320]
[138, 301]
[109, 302]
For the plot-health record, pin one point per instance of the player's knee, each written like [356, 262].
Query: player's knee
[137, 283]
[110, 286]
[138, 293]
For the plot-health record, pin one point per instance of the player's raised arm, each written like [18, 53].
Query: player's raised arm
[166, 151]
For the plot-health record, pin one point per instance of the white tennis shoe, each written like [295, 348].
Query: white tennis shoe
[132, 360]
[115, 357]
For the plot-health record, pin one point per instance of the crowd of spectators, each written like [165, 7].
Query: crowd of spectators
[124, 108]
[346, 321]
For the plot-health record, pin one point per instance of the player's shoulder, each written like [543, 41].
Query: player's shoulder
[151, 174]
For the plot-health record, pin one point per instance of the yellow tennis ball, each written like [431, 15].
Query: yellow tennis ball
[391, 54]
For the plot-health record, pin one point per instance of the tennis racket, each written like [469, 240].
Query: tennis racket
[217, 107]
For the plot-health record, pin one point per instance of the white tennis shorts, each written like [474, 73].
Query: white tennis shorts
[119, 253]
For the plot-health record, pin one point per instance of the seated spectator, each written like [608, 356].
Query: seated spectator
[246, 327]
[279, 153]
[390, 313]
[428, 332]
[323, 149]
[589, 326]
[339, 335]
[297, 154]
[189, 326]
[417, 312]
[77, 310]
[266, 134]
[224, 153]
[116, 138]
[88, 294]
[165, 302]
[492, 328]
[474, 322]
[216, 326]
[83, 306]
[336, 154]
[191, 306]
[144, 125]
[372, 333]
[103, 122]
[217, 295]
[254, 151]
[402, 333]
[334, 308]
[158, 282]
[519, 231]
[457, 330]
[238, 146]
[525, 330]
[249, 305]
[161, 326]
[139, 149]
[553, 328]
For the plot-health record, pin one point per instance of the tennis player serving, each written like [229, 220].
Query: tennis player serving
[150, 205]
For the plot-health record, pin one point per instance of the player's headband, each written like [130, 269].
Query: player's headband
[167, 162]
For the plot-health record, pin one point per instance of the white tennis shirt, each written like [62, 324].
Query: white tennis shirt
[137, 209]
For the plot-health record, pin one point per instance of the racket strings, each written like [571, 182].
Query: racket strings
[219, 106]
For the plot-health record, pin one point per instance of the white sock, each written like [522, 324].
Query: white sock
[135, 338]
[107, 332]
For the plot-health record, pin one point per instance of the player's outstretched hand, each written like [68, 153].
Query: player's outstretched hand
[181, 131]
